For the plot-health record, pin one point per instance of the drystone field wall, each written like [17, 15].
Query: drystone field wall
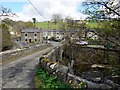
[49, 63]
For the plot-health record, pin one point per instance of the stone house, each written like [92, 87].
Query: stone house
[31, 35]
[59, 34]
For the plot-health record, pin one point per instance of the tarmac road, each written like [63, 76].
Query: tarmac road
[20, 73]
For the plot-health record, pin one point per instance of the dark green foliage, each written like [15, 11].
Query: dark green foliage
[44, 80]
[109, 27]
[34, 21]
[52, 38]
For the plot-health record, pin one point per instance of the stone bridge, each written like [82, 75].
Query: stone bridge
[50, 62]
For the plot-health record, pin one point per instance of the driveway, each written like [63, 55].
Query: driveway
[20, 73]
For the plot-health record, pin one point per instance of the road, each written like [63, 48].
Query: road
[20, 73]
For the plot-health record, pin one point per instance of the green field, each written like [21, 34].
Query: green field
[51, 25]
[92, 25]
[46, 25]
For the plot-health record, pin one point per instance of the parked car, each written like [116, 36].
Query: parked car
[82, 43]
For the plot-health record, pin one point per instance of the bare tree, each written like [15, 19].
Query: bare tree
[5, 12]
[56, 18]
[108, 29]
[102, 9]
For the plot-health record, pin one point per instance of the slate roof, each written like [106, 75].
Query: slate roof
[60, 30]
[38, 30]
[21, 44]
[30, 30]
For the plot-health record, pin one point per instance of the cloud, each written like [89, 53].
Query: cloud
[21, 17]
[49, 7]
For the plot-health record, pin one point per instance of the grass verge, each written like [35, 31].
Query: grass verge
[44, 80]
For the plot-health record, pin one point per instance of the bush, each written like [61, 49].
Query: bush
[52, 38]
[44, 80]
[6, 38]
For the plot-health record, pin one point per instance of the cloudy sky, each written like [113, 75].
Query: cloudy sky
[47, 8]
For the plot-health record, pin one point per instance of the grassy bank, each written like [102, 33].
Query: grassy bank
[44, 80]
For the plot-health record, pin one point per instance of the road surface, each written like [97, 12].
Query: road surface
[20, 73]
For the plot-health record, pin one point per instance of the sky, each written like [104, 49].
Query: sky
[25, 11]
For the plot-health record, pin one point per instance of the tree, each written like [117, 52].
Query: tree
[18, 25]
[56, 18]
[6, 38]
[5, 12]
[34, 21]
[107, 15]
[8, 21]
[104, 9]
[110, 31]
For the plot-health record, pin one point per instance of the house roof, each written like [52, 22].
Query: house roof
[60, 30]
[31, 30]
[38, 30]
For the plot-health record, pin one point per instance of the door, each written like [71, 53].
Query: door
[29, 40]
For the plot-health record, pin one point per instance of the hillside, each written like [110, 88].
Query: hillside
[47, 25]
[51, 25]
[91, 25]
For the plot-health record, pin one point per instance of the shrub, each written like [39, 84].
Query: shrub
[44, 80]
[6, 38]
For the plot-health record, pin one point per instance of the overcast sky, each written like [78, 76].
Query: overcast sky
[47, 8]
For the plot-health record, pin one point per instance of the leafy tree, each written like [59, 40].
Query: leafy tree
[107, 15]
[18, 25]
[6, 37]
[8, 21]
[110, 31]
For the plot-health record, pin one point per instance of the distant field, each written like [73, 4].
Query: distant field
[51, 25]
[92, 25]
[46, 25]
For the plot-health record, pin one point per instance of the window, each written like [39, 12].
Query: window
[26, 40]
[35, 34]
[25, 34]
[72, 33]
[35, 40]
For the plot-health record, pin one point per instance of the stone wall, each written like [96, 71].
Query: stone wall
[55, 54]
[49, 63]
